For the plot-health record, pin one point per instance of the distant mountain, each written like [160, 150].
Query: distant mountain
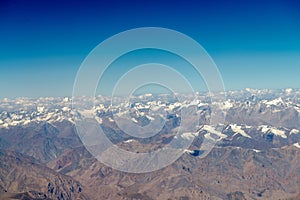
[249, 107]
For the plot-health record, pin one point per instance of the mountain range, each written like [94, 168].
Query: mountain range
[256, 153]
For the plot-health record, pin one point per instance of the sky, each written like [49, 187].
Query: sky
[255, 44]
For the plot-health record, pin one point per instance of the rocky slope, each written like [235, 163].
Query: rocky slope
[226, 173]
[22, 177]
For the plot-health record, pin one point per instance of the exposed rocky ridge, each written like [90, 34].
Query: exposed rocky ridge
[226, 173]
[43, 141]
[22, 177]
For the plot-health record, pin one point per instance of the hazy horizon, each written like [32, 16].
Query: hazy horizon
[141, 93]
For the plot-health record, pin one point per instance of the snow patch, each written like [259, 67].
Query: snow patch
[188, 151]
[288, 90]
[110, 119]
[275, 102]
[297, 145]
[134, 120]
[238, 129]
[257, 151]
[129, 141]
[278, 132]
[212, 130]
[294, 131]
[275, 131]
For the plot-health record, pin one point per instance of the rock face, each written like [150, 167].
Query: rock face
[42, 140]
[226, 173]
[22, 177]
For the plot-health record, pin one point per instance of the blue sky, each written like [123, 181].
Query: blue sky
[42, 43]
